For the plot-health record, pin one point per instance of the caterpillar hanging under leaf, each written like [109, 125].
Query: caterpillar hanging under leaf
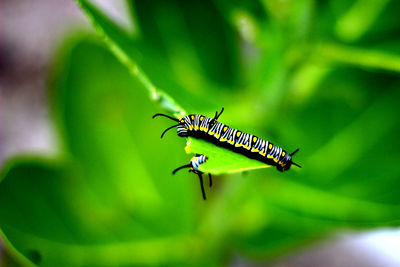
[193, 166]
[251, 146]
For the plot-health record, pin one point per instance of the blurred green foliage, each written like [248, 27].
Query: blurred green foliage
[323, 76]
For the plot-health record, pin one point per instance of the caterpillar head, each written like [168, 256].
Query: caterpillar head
[183, 127]
[286, 162]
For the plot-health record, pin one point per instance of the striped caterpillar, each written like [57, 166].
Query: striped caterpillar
[202, 127]
[193, 166]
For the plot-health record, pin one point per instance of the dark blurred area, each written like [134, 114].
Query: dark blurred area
[31, 33]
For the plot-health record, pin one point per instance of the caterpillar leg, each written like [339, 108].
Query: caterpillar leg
[201, 185]
[193, 166]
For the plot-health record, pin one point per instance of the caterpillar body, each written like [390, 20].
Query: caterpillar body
[202, 127]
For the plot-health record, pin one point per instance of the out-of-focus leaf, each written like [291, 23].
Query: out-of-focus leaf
[154, 69]
[107, 204]
[114, 109]
[354, 138]
[359, 18]
[126, 49]
[48, 222]
[182, 30]
[365, 58]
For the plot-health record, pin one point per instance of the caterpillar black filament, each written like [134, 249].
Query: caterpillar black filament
[202, 127]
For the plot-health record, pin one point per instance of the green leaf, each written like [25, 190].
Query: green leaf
[364, 58]
[359, 18]
[181, 31]
[103, 202]
[47, 222]
[125, 49]
[221, 160]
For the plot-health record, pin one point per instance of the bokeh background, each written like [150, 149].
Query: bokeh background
[86, 179]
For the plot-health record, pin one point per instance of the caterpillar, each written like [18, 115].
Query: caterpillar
[251, 146]
[193, 166]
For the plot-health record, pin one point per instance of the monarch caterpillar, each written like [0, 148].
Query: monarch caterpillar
[202, 127]
[193, 166]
